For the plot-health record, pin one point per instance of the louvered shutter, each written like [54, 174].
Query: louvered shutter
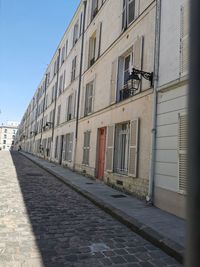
[124, 15]
[113, 83]
[64, 148]
[64, 81]
[138, 53]
[138, 56]
[74, 105]
[98, 41]
[110, 148]
[137, 8]
[184, 39]
[66, 114]
[86, 59]
[133, 148]
[89, 12]
[183, 134]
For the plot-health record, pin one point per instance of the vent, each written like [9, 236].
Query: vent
[118, 196]
[119, 182]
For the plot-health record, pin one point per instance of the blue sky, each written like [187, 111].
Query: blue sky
[30, 31]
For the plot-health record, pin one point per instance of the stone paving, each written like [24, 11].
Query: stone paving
[45, 223]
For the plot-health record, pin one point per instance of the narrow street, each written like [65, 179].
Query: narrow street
[45, 223]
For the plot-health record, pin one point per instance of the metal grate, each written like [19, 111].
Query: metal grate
[118, 196]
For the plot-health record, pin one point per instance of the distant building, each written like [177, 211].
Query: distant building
[7, 135]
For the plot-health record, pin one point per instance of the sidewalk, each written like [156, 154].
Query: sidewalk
[159, 227]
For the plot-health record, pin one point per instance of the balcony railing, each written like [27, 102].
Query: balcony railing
[126, 93]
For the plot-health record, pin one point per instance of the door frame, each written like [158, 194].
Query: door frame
[97, 152]
[61, 149]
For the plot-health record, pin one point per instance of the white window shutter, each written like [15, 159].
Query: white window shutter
[183, 137]
[89, 11]
[110, 147]
[98, 41]
[133, 148]
[74, 105]
[64, 147]
[137, 8]
[86, 60]
[66, 114]
[184, 53]
[113, 82]
[138, 53]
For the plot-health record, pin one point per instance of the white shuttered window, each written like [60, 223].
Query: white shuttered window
[183, 134]
[86, 148]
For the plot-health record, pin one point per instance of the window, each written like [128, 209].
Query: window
[75, 34]
[86, 148]
[128, 13]
[66, 48]
[92, 49]
[73, 76]
[89, 98]
[68, 146]
[126, 71]
[81, 22]
[4, 142]
[5, 136]
[5, 131]
[56, 148]
[13, 131]
[63, 55]
[69, 108]
[60, 85]
[121, 148]
[13, 136]
[94, 9]
[58, 114]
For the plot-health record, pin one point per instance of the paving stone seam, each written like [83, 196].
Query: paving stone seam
[167, 245]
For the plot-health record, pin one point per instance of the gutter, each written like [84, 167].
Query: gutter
[150, 196]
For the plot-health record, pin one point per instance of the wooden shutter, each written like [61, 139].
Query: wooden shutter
[89, 11]
[74, 105]
[184, 53]
[124, 15]
[98, 41]
[113, 85]
[138, 53]
[64, 148]
[64, 81]
[133, 148]
[86, 59]
[137, 8]
[183, 134]
[110, 148]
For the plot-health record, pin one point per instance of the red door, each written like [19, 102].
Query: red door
[101, 153]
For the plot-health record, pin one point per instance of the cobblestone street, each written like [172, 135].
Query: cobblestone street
[45, 223]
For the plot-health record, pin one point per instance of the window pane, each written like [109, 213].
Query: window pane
[131, 11]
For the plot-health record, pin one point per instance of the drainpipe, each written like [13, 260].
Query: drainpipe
[54, 115]
[79, 86]
[150, 196]
[45, 91]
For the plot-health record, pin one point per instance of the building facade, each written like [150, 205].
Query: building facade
[7, 135]
[171, 143]
[86, 116]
